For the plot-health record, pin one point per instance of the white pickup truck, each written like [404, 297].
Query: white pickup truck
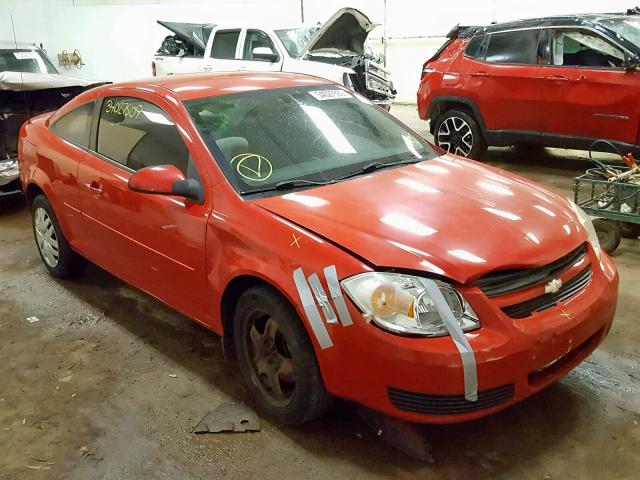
[336, 51]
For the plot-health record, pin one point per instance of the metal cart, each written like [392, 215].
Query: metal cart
[611, 193]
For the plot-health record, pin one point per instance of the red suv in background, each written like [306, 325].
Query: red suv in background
[557, 81]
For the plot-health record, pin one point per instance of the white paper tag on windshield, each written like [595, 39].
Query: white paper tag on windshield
[25, 55]
[330, 94]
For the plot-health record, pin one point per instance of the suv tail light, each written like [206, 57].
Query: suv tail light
[153, 69]
[426, 71]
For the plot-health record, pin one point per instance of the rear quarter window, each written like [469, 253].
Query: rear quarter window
[474, 47]
[517, 47]
[75, 126]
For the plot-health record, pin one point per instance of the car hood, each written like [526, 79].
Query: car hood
[195, 33]
[447, 216]
[346, 30]
[18, 81]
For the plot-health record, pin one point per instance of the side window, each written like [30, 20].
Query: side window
[75, 126]
[255, 39]
[224, 44]
[518, 47]
[474, 48]
[139, 134]
[580, 48]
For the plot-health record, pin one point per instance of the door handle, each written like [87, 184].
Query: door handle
[557, 78]
[207, 68]
[95, 188]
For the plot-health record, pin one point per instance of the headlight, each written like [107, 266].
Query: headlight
[588, 225]
[400, 303]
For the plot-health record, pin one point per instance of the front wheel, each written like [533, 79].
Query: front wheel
[457, 132]
[277, 359]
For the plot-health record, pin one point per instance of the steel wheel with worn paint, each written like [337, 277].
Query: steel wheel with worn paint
[457, 132]
[271, 358]
[56, 253]
[276, 357]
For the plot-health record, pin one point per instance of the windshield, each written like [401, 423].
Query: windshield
[305, 134]
[295, 39]
[626, 27]
[25, 61]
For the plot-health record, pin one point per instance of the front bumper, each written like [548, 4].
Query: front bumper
[9, 178]
[421, 380]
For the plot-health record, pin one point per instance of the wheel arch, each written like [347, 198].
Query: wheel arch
[32, 191]
[443, 104]
[231, 294]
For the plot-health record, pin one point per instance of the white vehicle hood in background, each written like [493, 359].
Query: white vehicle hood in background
[347, 30]
[34, 81]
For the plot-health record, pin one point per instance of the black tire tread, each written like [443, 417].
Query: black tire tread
[629, 230]
[613, 228]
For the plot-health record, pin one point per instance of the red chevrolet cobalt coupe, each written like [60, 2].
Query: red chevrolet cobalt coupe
[332, 245]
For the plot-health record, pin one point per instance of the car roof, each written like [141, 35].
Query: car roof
[11, 45]
[587, 19]
[193, 86]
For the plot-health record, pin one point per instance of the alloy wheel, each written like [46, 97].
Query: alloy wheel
[271, 359]
[454, 135]
[46, 237]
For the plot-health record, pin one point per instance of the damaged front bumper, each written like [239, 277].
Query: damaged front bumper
[371, 80]
[9, 178]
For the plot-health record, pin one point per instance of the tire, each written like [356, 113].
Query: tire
[629, 230]
[277, 359]
[56, 254]
[458, 132]
[608, 234]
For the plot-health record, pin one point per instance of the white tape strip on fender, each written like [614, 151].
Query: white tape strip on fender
[321, 297]
[310, 309]
[331, 275]
[461, 342]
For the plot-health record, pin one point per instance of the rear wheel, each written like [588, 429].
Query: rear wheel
[458, 132]
[608, 234]
[56, 254]
[277, 359]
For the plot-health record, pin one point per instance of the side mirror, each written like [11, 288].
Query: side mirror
[264, 53]
[165, 180]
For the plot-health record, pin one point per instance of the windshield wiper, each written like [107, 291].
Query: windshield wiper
[373, 166]
[284, 185]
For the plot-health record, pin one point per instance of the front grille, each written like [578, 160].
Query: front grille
[548, 300]
[448, 404]
[508, 281]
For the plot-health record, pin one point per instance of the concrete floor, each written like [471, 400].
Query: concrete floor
[86, 391]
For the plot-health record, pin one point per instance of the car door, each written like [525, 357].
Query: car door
[68, 147]
[505, 72]
[588, 93]
[223, 51]
[155, 242]
[252, 39]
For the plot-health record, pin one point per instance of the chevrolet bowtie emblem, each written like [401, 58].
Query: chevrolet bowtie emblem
[553, 286]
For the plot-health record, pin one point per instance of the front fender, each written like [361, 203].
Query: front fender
[258, 243]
